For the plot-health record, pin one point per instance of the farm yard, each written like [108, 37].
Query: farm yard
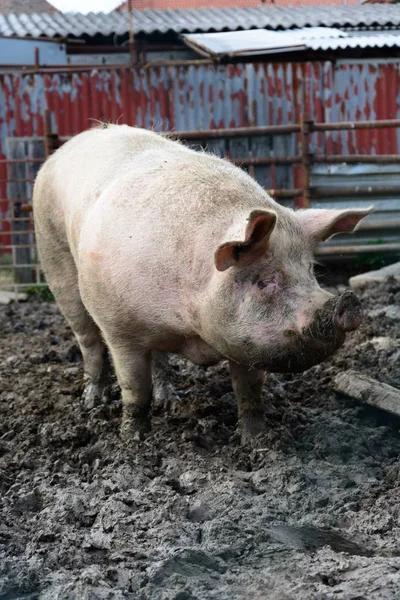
[188, 513]
[306, 101]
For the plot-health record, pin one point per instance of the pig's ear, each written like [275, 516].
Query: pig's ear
[254, 243]
[321, 224]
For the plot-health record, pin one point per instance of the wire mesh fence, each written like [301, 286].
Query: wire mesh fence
[19, 264]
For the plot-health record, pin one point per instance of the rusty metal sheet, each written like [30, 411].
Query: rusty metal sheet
[197, 97]
[208, 96]
[387, 206]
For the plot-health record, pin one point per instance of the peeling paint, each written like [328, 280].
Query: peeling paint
[208, 96]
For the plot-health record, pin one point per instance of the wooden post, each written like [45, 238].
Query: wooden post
[132, 47]
[37, 58]
[51, 141]
[306, 159]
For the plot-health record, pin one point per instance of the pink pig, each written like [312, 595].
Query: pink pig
[150, 247]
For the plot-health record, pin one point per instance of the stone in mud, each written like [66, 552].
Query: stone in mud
[7, 297]
[377, 276]
[381, 343]
[111, 514]
[97, 540]
[30, 502]
[187, 562]
[390, 312]
[309, 539]
[393, 312]
[190, 481]
[199, 512]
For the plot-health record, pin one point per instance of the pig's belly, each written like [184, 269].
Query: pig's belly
[199, 352]
[191, 347]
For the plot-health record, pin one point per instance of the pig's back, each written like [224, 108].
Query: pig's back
[94, 161]
[85, 166]
[125, 176]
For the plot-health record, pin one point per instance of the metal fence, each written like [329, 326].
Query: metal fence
[19, 266]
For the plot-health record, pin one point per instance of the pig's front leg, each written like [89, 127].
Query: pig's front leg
[247, 385]
[133, 370]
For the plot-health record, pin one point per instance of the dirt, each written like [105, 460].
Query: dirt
[187, 513]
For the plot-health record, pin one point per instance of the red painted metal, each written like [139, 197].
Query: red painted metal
[206, 96]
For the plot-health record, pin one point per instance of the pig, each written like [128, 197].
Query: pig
[152, 248]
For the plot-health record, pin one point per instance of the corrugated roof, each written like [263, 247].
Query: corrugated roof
[164, 4]
[201, 20]
[256, 41]
[26, 6]
[262, 41]
[383, 40]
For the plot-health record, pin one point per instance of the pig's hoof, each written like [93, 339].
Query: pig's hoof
[92, 395]
[165, 397]
[135, 424]
[134, 429]
[252, 426]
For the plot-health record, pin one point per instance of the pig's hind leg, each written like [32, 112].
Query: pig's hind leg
[165, 396]
[247, 385]
[141, 376]
[62, 277]
[133, 370]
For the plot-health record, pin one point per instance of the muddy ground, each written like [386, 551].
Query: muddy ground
[188, 514]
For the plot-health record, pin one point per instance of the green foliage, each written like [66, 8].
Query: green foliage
[41, 293]
[6, 259]
[374, 260]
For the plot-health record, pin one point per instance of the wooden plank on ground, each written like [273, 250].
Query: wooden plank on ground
[369, 390]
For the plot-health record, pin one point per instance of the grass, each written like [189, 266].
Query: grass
[41, 293]
[7, 280]
[6, 275]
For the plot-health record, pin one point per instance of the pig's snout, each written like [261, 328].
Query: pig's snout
[320, 339]
[337, 316]
[348, 313]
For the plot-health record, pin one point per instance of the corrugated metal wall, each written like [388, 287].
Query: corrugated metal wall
[203, 97]
[386, 207]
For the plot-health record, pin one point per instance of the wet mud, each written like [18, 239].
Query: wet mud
[187, 513]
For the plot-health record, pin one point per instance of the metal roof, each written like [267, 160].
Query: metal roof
[26, 6]
[244, 43]
[262, 41]
[200, 20]
[380, 40]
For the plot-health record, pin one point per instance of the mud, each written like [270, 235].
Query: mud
[187, 513]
